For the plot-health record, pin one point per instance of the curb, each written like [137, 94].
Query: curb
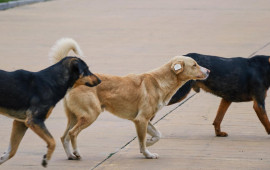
[12, 4]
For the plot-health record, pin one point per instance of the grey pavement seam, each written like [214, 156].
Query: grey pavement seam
[259, 50]
[12, 4]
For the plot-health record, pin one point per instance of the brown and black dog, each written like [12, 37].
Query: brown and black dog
[133, 97]
[29, 97]
[234, 80]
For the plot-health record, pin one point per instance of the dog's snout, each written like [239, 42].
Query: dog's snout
[205, 70]
[98, 81]
[93, 81]
[204, 73]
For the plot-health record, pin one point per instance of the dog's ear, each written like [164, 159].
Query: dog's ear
[178, 66]
[76, 67]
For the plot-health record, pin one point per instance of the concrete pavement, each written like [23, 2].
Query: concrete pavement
[121, 37]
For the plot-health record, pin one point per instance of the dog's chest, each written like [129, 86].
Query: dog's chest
[19, 115]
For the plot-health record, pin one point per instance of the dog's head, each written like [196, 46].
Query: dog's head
[187, 69]
[81, 74]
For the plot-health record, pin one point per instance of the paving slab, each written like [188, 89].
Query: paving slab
[121, 37]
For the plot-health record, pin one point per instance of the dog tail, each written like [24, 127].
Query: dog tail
[182, 92]
[61, 49]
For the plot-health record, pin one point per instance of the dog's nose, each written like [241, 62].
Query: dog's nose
[207, 71]
[98, 81]
[94, 80]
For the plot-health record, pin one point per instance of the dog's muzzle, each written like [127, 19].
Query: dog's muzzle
[205, 73]
[93, 81]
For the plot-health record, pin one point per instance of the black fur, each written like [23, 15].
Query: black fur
[21, 90]
[28, 97]
[182, 92]
[234, 79]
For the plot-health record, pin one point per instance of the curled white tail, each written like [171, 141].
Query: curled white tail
[61, 49]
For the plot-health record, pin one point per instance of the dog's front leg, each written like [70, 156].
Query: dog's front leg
[141, 127]
[18, 131]
[40, 129]
[223, 107]
[151, 130]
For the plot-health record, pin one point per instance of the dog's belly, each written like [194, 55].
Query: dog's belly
[227, 93]
[124, 113]
[19, 115]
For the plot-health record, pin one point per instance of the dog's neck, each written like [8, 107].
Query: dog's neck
[167, 81]
[60, 79]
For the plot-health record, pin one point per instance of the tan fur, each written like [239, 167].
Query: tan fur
[18, 131]
[49, 112]
[224, 105]
[92, 79]
[133, 97]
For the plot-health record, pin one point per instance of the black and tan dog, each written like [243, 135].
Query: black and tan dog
[29, 97]
[136, 97]
[234, 80]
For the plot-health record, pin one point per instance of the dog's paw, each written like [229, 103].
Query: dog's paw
[72, 157]
[4, 157]
[78, 156]
[44, 161]
[221, 134]
[149, 155]
[268, 132]
[2, 160]
[152, 156]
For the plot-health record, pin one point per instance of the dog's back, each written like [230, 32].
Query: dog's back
[116, 94]
[15, 89]
[230, 78]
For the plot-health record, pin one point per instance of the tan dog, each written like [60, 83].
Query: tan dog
[133, 97]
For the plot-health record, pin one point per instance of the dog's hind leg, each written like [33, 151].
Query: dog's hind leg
[83, 122]
[18, 131]
[141, 127]
[65, 139]
[259, 108]
[156, 135]
[84, 106]
[40, 129]
[223, 107]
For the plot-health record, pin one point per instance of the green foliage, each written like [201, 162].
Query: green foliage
[1, 1]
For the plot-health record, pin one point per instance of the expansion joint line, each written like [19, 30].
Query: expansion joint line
[259, 50]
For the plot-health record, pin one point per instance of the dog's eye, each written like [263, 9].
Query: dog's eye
[194, 65]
